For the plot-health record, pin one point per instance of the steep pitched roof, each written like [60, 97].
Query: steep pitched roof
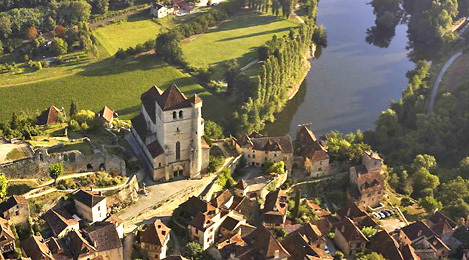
[349, 231]
[171, 98]
[155, 233]
[78, 244]
[299, 247]
[416, 230]
[221, 198]
[13, 201]
[440, 222]
[194, 205]
[386, 245]
[140, 126]
[155, 149]
[351, 210]
[106, 113]
[408, 253]
[230, 223]
[276, 201]
[104, 236]
[49, 116]
[59, 220]
[265, 244]
[88, 198]
[6, 228]
[242, 184]
[36, 249]
[278, 143]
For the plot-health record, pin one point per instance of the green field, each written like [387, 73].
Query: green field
[137, 29]
[115, 83]
[236, 39]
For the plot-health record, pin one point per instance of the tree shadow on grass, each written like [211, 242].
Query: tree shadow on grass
[254, 34]
[245, 20]
[112, 66]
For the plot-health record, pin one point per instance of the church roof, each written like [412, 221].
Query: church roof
[171, 98]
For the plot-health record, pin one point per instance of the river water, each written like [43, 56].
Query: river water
[352, 81]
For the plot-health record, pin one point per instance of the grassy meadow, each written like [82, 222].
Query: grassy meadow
[135, 30]
[237, 38]
[115, 83]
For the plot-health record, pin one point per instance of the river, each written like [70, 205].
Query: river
[352, 81]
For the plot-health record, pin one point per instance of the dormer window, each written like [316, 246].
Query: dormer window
[174, 115]
[180, 114]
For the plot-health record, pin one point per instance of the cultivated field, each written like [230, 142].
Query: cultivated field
[137, 29]
[115, 83]
[236, 39]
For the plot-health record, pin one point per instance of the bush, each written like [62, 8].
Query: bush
[225, 180]
[215, 162]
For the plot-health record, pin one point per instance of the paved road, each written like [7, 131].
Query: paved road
[438, 80]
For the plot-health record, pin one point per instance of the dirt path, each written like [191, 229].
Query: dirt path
[438, 80]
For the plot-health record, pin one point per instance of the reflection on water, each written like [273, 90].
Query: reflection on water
[352, 81]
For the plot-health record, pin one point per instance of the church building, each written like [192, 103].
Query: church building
[169, 131]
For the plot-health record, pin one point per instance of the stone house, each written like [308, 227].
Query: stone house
[107, 115]
[169, 132]
[51, 116]
[90, 206]
[348, 237]
[7, 238]
[159, 11]
[261, 244]
[316, 159]
[60, 222]
[306, 242]
[426, 243]
[15, 209]
[367, 182]
[154, 239]
[118, 223]
[387, 246]
[259, 149]
[443, 226]
[35, 248]
[275, 209]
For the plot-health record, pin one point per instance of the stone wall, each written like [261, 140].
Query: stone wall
[126, 195]
[73, 161]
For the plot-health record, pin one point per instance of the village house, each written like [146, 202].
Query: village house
[387, 246]
[443, 226]
[15, 209]
[305, 243]
[90, 206]
[275, 209]
[261, 244]
[107, 115]
[50, 116]
[316, 159]
[154, 239]
[160, 11]
[259, 149]
[7, 238]
[169, 131]
[235, 200]
[60, 222]
[36, 249]
[118, 223]
[348, 237]
[426, 243]
[367, 182]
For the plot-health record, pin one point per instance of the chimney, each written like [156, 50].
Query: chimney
[277, 254]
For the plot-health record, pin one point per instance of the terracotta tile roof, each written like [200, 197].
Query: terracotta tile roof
[54, 246]
[59, 220]
[372, 155]
[417, 230]
[231, 223]
[242, 184]
[262, 243]
[349, 231]
[244, 140]
[140, 126]
[279, 143]
[201, 221]
[204, 143]
[107, 114]
[171, 98]
[245, 229]
[49, 116]
[351, 210]
[103, 236]
[323, 225]
[155, 149]
[115, 220]
[311, 231]
[365, 221]
[382, 243]
[313, 205]
[298, 246]
[155, 233]
[222, 198]
[230, 245]
[36, 249]
[441, 224]
[243, 206]
[78, 245]
[6, 228]
[370, 181]
[438, 244]
[306, 136]
[13, 201]
[88, 198]
[408, 253]
[194, 205]
[276, 201]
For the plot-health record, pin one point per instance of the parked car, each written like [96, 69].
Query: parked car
[376, 215]
[381, 214]
[386, 214]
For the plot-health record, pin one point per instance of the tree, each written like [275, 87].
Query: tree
[457, 209]
[193, 250]
[213, 130]
[430, 204]
[338, 255]
[168, 47]
[3, 185]
[423, 179]
[5, 26]
[56, 170]
[1, 47]
[101, 6]
[49, 23]
[372, 256]
[31, 33]
[60, 31]
[73, 109]
[225, 179]
[58, 47]
[369, 232]
[424, 161]
[320, 36]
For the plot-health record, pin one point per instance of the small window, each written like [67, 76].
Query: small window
[174, 115]
[159, 165]
[180, 114]
[99, 208]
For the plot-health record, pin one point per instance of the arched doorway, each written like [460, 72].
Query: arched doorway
[102, 167]
[89, 167]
